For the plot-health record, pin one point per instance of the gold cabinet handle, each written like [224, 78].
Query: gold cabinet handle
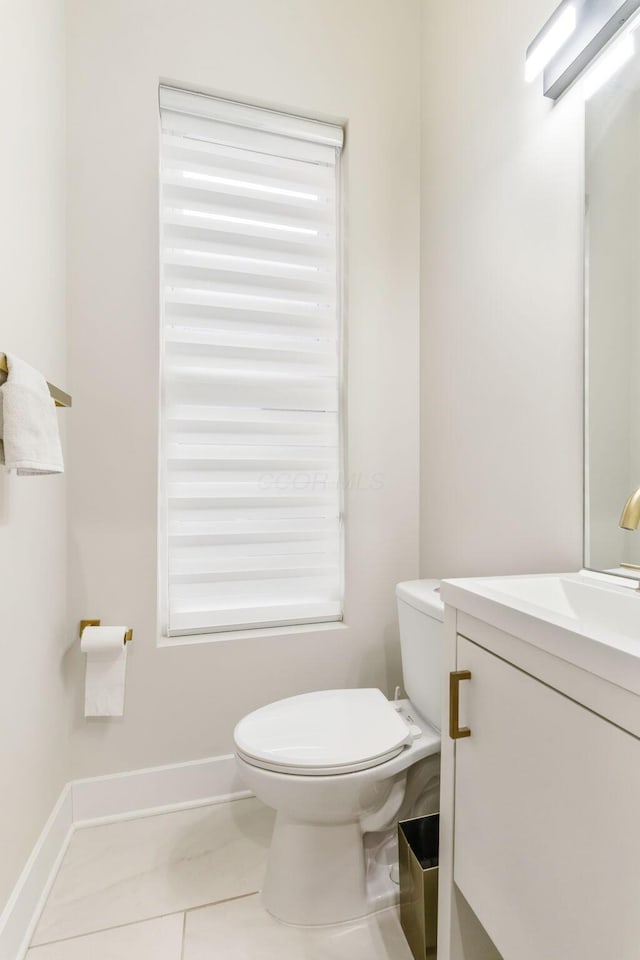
[456, 732]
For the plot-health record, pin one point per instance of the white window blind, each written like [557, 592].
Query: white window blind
[251, 361]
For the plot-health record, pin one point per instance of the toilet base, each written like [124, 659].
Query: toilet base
[316, 873]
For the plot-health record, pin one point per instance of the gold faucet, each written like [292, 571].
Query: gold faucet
[630, 517]
[629, 520]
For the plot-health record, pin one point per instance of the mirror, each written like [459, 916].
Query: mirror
[612, 325]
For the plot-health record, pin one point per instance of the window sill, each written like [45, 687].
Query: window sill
[259, 634]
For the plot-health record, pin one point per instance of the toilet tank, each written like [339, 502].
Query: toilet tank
[421, 620]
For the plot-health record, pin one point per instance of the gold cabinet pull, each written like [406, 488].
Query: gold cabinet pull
[456, 732]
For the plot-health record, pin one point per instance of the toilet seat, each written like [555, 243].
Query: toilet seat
[324, 733]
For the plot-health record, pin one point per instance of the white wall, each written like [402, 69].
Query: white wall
[351, 59]
[501, 348]
[34, 711]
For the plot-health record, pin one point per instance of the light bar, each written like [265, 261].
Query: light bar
[608, 65]
[549, 41]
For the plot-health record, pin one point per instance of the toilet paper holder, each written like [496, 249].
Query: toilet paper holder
[128, 637]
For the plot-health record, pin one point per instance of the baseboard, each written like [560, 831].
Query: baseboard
[156, 790]
[96, 800]
[25, 904]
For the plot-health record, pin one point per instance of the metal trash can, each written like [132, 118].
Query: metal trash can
[418, 843]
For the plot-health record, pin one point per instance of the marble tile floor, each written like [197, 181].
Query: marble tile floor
[185, 886]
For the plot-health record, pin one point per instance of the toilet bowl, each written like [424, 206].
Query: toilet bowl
[333, 764]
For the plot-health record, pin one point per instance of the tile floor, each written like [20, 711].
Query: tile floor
[184, 886]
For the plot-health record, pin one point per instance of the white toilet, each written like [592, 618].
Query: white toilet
[333, 765]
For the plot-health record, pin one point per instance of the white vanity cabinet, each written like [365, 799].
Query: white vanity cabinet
[540, 808]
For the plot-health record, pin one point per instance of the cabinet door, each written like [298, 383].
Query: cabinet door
[547, 818]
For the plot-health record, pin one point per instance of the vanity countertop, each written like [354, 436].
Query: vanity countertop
[584, 618]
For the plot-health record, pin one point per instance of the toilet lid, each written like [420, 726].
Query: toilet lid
[331, 731]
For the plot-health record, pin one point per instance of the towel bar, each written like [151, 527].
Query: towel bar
[61, 398]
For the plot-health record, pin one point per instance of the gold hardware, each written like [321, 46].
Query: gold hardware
[61, 398]
[631, 514]
[128, 637]
[456, 732]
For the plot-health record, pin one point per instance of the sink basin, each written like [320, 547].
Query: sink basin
[582, 597]
[591, 620]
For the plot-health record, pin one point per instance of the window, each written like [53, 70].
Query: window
[251, 462]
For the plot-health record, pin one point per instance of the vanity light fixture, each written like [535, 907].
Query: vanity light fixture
[579, 33]
[608, 64]
[551, 38]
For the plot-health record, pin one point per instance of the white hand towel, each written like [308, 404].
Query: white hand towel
[30, 441]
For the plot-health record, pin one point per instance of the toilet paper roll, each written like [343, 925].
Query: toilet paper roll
[106, 668]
